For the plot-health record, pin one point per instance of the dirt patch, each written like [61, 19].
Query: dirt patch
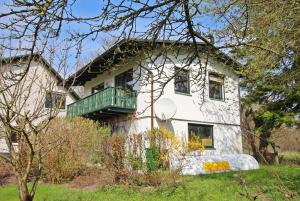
[7, 175]
[92, 180]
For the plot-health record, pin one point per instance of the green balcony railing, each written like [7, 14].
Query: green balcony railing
[109, 99]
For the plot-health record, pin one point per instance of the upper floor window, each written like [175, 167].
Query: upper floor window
[124, 80]
[97, 88]
[182, 81]
[55, 100]
[13, 137]
[201, 132]
[216, 86]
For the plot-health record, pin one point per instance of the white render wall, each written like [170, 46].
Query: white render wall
[223, 115]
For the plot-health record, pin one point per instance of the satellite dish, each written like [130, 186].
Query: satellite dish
[165, 109]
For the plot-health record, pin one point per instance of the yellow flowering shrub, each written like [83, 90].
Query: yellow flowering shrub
[195, 143]
[166, 143]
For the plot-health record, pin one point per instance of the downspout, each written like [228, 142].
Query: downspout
[151, 97]
[152, 100]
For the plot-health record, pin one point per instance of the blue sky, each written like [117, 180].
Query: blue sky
[82, 8]
[90, 48]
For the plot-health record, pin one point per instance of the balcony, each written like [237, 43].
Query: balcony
[107, 102]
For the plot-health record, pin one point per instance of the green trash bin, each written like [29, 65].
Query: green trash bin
[152, 157]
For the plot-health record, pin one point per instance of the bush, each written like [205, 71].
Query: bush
[69, 145]
[114, 150]
[164, 143]
[153, 159]
[7, 174]
[135, 151]
[290, 158]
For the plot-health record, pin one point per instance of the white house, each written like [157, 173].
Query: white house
[199, 97]
[212, 113]
[41, 87]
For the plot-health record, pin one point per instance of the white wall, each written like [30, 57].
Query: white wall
[189, 107]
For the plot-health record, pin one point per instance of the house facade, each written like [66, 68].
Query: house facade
[40, 90]
[117, 90]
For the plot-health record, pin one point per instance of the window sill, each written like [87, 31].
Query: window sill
[209, 149]
[198, 153]
[220, 100]
[185, 94]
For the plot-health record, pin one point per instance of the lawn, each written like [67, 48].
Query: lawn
[222, 186]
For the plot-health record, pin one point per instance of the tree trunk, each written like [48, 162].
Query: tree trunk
[23, 190]
[254, 147]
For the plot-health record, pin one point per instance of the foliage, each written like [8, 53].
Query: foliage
[195, 143]
[135, 152]
[69, 145]
[164, 144]
[6, 171]
[114, 150]
[153, 159]
[290, 158]
[271, 75]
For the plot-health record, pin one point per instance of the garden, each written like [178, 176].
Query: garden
[82, 161]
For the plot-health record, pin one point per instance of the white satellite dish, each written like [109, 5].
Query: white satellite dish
[165, 109]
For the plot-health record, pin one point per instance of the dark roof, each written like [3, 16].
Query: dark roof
[40, 58]
[123, 49]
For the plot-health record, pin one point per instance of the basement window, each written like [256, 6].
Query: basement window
[216, 86]
[55, 100]
[202, 132]
[182, 81]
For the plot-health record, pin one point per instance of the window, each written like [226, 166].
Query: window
[55, 100]
[124, 80]
[216, 86]
[13, 137]
[97, 88]
[202, 132]
[182, 81]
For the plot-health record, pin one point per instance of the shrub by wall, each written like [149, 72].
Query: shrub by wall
[69, 145]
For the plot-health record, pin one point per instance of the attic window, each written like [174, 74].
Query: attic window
[216, 86]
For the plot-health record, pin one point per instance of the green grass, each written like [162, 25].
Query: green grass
[222, 186]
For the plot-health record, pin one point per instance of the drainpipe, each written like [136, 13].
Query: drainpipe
[152, 100]
[151, 97]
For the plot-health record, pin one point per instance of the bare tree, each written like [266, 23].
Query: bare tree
[263, 34]
[180, 21]
[27, 105]
[220, 25]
